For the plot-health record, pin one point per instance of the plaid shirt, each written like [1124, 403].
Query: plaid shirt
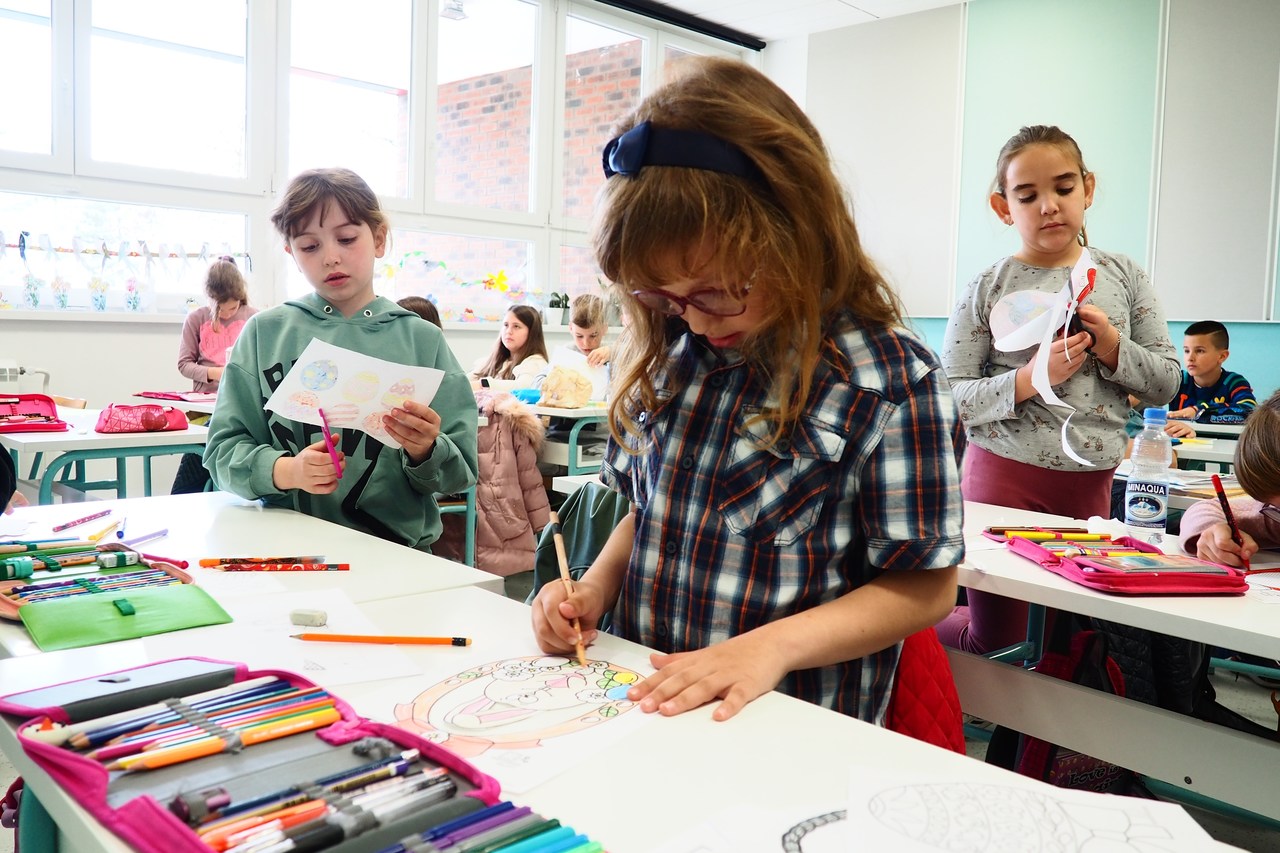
[730, 537]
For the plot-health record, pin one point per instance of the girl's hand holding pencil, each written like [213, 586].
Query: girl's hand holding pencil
[1217, 546]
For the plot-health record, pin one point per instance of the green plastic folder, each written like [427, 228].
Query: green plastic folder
[89, 620]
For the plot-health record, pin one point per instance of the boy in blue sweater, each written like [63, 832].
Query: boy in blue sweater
[1206, 387]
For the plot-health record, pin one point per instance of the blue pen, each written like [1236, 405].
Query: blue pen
[124, 520]
[438, 832]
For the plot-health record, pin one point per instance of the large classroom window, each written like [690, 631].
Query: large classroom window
[143, 137]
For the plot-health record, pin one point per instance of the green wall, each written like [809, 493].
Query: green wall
[1087, 66]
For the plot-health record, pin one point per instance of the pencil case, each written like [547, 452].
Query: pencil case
[153, 811]
[99, 612]
[1151, 572]
[30, 413]
[147, 417]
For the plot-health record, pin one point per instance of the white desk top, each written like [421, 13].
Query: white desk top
[1220, 450]
[219, 524]
[82, 437]
[779, 753]
[1241, 622]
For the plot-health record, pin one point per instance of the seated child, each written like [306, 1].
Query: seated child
[1205, 385]
[588, 326]
[519, 354]
[1205, 532]
[334, 229]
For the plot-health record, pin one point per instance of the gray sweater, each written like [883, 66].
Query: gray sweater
[982, 377]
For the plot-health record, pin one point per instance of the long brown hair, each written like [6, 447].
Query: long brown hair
[501, 365]
[787, 230]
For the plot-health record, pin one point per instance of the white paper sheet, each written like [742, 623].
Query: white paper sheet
[889, 810]
[261, 634]
[355, 390]
[519, 715]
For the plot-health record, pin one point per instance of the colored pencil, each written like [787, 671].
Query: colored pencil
[47, 546]
[328, 443]
[154, 558]
[383, 640]
[211, 562]
[68, 525]
[1230, 516]
[104, 531]
[133, 541]
[567, 581]
[213, 745]
[285, 567]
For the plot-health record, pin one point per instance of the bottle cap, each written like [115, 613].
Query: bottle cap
[1160, 416]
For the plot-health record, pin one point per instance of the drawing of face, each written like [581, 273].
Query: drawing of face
[518, 703]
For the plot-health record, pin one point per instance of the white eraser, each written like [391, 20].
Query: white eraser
[310, 618]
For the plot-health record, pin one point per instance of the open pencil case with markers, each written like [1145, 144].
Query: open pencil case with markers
[319, 755]
[30, 413]
[1127, 566]
[71, 609]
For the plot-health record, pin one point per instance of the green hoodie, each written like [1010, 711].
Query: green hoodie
[381, 492]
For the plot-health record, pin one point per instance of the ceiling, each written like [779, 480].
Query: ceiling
[770, 20]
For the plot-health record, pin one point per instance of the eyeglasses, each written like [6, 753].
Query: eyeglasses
[713, 301]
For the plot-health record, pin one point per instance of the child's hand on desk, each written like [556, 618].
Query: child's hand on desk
[1179, 431]
[1215, 545]
[1189, 413]
[554, 611]
[737, 671]
[416, 426]
[18, 499]
[311, 470]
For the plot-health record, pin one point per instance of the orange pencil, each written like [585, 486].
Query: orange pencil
[387, 640]
[567, 581]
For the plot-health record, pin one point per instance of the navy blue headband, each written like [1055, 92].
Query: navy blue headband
[646, 145]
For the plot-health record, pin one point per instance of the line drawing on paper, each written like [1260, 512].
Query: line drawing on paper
[517, 703]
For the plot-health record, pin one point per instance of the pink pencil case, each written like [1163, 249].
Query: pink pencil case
[143, 808]
[1149, 573]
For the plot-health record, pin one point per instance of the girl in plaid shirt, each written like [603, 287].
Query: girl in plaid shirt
[788, 449]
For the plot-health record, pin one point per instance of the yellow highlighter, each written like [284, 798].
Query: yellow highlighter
[104, 531]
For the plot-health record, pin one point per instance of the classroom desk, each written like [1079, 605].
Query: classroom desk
[219, 524]
[567, 484]
[80, 444]
[1215, 430]
[570, 454]
[778, 753]
[1199, 757]
[1218, 450]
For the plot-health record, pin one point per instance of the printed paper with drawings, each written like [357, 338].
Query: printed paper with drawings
[1023, 319]
[950, 812]
[517, 714]
[577, 362]
[260, 636]
[355, 390]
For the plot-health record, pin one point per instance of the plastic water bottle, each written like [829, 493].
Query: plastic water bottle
[1146, 495]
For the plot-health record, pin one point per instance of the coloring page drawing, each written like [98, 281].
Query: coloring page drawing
[355, 390]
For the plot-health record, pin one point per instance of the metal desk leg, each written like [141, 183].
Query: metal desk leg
[470, 548]
[119, 454]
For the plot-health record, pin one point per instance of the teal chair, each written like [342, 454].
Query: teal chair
[587, 519]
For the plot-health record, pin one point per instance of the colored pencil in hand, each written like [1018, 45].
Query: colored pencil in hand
[567, 580]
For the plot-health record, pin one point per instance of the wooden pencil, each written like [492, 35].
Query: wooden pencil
[563, 559]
